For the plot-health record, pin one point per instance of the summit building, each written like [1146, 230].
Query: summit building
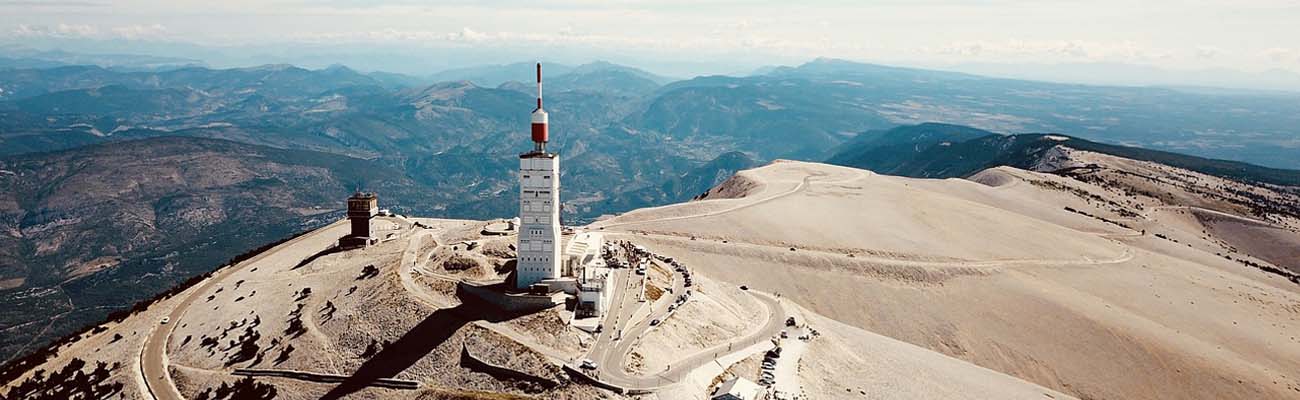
[539, 205]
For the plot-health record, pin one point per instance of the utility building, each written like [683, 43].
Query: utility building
[539, 205]
[362, 207]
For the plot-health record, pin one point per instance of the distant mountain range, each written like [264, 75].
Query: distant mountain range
[154, 175]
[22, 57]
[948, 151]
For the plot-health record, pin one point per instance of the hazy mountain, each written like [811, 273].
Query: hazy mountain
[886, 151]
[88, 230]
[495, 75]
[830, 68]
[23, 57]
[683, 187]
[947, 151]
[607, 78]
[771, 117]
[1140, 75]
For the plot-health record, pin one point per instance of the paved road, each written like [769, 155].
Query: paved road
[775, 322]
[798, 188]
[611, 369]
[614, 344]
[153, 357]
[613, 358]
[1127, 255]
[622, 307]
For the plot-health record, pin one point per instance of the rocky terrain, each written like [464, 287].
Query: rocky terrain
[916, 288]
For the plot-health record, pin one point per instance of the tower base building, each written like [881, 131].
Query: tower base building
[539, 219]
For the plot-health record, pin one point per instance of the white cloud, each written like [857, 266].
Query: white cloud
[83, 31]
[140, 31]
[60, 31]
[1071, 50]
[1208, 52]
[1282, 55]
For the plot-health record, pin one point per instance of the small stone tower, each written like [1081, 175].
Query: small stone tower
[361, 208]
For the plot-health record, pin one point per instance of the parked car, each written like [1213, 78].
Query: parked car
[588, 364]
[743, 287]
[789, 321]
[165, 320]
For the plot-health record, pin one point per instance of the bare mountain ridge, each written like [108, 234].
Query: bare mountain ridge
[1143, 266]
[956, 288]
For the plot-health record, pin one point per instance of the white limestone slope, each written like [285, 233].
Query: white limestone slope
[995, 272]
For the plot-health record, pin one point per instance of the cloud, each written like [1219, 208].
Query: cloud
[140, 31]
[1282, 55]
[50, 3]
[1208, 52]
[83, 31]
[59, 31]
[1075, 50]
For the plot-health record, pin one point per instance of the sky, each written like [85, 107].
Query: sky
[1245, 35]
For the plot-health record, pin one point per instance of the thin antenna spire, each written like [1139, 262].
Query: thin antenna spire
[539, 86]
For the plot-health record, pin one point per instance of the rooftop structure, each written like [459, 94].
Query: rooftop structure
[736, 389]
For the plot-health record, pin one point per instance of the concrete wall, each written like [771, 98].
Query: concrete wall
[492, 294]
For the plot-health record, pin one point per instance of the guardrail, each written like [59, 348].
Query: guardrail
[326, 378]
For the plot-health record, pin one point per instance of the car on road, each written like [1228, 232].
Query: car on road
[743, 287]
[165, 320]
[654, 322]
[588, 364]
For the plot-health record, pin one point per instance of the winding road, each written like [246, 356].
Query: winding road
[614, 344]
[153, 356]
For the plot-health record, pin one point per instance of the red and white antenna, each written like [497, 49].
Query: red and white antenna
[539, 117]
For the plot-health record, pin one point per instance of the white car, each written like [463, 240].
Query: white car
[165, 320]
[588, 364]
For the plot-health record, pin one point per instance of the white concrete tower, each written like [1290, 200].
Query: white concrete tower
[539, 205]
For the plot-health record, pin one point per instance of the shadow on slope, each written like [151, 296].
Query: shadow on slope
[430, 333]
